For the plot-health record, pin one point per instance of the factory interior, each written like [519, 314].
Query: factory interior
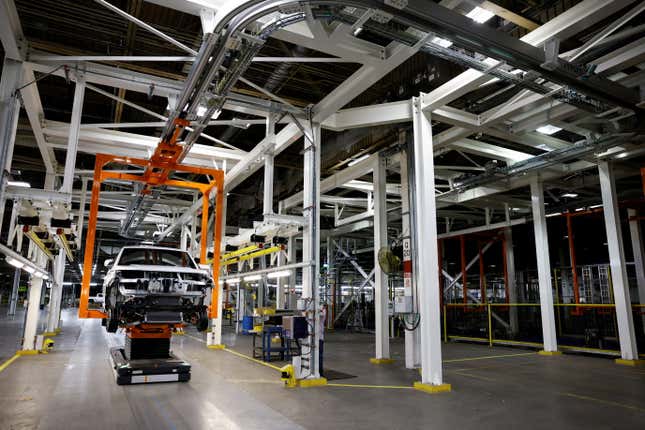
[322, 214]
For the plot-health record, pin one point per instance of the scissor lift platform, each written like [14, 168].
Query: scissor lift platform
[146, 371]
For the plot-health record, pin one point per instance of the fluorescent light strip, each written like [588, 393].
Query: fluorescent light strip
[480, 15]
[548, 129]
[444, 43]
[280, 274]
[20, 184]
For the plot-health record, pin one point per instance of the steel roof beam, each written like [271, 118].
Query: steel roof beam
[563, 26]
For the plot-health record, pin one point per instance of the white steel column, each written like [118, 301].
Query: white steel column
[74, 127]
[279, 293]
[639, 261]
[620, 284]
[412, 340]
[381, 296]
[56, 292]
[544, 267]
[427, 252]
[9, 112]
[80, 223]
[311, 249]
[291, 255]
[268, 167]
[33, 306]
[512, 282]
[183, 238]
[13, 300]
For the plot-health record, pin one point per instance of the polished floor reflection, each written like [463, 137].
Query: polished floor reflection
[74, 388]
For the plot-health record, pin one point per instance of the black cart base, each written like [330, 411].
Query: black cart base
[146, 371]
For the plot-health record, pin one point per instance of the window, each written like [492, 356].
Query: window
[155, 257]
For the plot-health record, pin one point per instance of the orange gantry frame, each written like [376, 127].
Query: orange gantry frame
[156, 174]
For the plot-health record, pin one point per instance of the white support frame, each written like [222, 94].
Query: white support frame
[381, 290]
[543, 266]
[619, 281]
[427, 256]
[636, 235]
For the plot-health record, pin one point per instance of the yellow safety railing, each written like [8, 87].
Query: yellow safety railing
[480, 322]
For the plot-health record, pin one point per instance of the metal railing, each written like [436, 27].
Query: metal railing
[589, 328]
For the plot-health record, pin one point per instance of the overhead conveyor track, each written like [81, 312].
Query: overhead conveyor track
[228, 51]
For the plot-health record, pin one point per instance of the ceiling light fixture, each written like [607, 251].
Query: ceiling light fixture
[280, 274]
[15, 263]
[232, 281]
[20, 262]
[253, 278]
[480, 15]
[569, 195]
[444, 43]
[548, 129]
[20, 184]
[357, 31]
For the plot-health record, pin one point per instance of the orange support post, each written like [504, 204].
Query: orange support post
[203, 254]
[160, 166]
[574, 270]
[83, 311]
[217, 242]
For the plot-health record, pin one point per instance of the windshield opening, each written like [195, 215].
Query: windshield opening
[155, 257]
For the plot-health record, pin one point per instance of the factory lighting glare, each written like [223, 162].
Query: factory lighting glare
[570, 195]
[253, 278]
[20, 262]
[444, 43]
[15, 263]
[357, 160]
[201, 110]
[281, 274]
[480, 15]
[548, 129]
[21, 184]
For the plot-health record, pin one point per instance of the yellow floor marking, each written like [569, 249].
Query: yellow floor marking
[239, 354]
[254, 381]
[470, 375]
[606, 402]
[196, 338]
[6, 364]
[401, 387]
[487, 357]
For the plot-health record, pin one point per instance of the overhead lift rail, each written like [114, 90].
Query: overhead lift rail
[227, 52]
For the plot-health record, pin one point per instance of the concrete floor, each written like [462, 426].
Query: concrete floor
[74, 388]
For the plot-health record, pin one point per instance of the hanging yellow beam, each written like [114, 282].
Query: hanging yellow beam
[245, 257]
[39, 243]
[239, 252]
[509, 16]
[65, 243]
